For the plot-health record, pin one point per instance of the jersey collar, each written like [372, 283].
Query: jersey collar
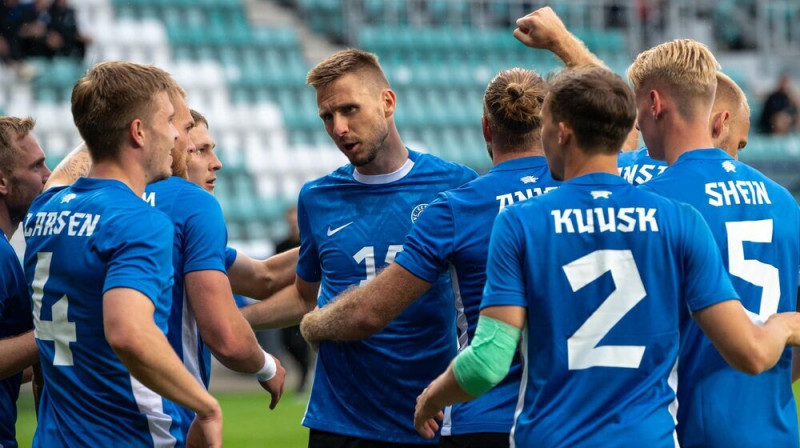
[377, 179]
[705, 154]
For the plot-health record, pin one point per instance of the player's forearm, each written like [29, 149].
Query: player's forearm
[573, 52]
[17, 353]
[74, 166]
[343, 320]
[283, 309]
[236, 348]
[151, 360]
[260, 279]
[760, 347]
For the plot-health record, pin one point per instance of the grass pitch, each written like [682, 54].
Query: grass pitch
[248, 420]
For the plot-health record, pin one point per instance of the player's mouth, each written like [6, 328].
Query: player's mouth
[349, 147]
[210, 183]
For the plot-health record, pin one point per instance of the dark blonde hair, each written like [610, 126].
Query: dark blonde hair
[12, 129]
[512, 105]
[198, 118]
[345, 62]
[112, 95]
[597, 104]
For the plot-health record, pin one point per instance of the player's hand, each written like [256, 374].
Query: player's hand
[425, 416]
[307, 328]
[791, 320]
[541, 29]
[206, 430]
[275, 385]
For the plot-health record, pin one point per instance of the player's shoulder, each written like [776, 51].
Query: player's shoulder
[435, 164]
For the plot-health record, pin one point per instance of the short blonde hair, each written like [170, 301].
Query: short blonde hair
[12, 129]
[686, 66]
[729, 95]
[345, 62]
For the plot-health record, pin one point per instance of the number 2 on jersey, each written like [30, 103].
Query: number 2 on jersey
[58, 329]
[582, 347]
[367, 255]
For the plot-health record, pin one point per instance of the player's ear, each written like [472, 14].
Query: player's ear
[4, 184]
[389, 102]
[487, 131]
[564, 133]
[656, 104]
[718, 121]
[136, 132]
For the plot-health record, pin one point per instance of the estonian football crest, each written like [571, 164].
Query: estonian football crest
[417, 211]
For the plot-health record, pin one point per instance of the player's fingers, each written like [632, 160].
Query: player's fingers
[523, 37]
[440, 415]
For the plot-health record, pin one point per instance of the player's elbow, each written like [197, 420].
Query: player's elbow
[124, 341]
[754, 360]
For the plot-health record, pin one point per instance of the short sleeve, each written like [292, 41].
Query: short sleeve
[505, 276]
[230, 257]
[308, 264]
[430, 243]
[705, 280]
[204, 233]
[141, 255]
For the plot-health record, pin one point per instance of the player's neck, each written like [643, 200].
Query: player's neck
[390, 158]
[684, 136]
[500, 154]
[132, 176]
[581, 164]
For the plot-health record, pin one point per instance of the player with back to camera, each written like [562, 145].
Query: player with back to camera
[571, 271]
[755, 224]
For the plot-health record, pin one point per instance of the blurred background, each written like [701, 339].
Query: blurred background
[243, 64]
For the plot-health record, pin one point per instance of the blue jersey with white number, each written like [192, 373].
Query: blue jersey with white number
[82, 241]
[199, 244]
[637, 167]
[351, 226]
[453, 235]
[604, 271]
[756, 225]
[15, 319]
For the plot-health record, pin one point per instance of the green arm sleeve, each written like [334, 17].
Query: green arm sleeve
[486, 361]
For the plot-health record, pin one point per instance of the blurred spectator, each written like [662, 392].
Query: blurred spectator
[291, 338]
[40, 28]
[779, 114]
[67, 40]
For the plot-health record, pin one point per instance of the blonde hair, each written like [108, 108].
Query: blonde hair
[685, 66]
[12, 129]
[512, 105]
[729, 95]
[109, 97]
[345, 62]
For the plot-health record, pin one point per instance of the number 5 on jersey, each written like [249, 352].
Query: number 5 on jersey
[58, 329]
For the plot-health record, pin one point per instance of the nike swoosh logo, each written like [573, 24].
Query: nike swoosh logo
[331, 232]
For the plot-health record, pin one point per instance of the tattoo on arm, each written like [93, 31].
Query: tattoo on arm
[79, 165]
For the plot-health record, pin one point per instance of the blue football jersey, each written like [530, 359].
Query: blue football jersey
[351, 226]
[756, 225]
[637, 167]
[15, 319]
[452, 235]
[604, 271]
[199, 244]
[230, 257]
[82, 241]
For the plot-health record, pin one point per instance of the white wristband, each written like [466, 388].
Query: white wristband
[269, 369]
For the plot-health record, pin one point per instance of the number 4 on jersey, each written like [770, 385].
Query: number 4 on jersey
[59, 329]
